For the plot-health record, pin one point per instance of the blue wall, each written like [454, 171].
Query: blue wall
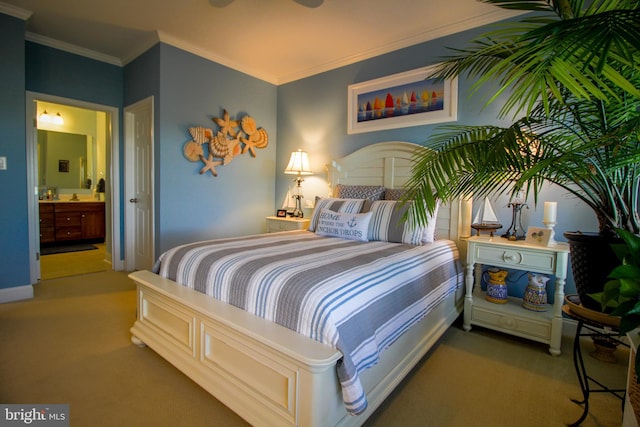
[312, 112]
[64, 74]
[189, 91]
[312, 115]
[14, 237]
[192, 206]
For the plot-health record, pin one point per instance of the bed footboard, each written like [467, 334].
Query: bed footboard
[262, 371]
[268, 374]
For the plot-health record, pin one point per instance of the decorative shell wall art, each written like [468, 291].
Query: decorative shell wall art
[234, 137]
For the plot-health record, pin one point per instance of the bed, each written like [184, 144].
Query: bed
[270, 374]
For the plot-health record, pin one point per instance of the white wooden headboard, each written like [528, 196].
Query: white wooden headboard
[389, 164]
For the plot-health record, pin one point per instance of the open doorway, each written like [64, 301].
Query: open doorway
[72, 169]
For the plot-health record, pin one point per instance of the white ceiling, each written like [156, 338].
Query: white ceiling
[275, 40]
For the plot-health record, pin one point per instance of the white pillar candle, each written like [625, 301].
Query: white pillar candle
[465, 216]
[550, 211]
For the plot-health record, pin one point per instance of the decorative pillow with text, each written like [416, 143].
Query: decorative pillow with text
[336, 205]
[348, 226]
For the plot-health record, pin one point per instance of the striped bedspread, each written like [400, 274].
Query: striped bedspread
[358, 297]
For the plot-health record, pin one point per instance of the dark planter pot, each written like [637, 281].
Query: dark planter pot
[592, 259]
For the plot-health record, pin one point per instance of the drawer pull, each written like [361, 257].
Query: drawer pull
[507, 322]
[512, 257]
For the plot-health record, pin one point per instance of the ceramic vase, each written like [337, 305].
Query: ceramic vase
[535, 295]
[497, 287]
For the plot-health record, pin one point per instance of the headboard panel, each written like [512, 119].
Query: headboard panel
[385, 163]
[389, 164]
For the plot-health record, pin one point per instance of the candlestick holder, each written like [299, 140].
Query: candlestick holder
[516, 231]
[550, 226]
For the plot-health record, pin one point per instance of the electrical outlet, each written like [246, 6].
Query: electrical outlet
[3, 163]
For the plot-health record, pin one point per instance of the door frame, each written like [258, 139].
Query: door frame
[143, 106]
[113, 140]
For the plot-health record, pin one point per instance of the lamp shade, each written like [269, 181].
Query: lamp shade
[299, 163]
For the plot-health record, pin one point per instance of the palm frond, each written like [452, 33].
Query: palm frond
[531, 57]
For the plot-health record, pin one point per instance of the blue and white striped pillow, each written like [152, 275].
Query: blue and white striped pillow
[336, 205]
[387, 225]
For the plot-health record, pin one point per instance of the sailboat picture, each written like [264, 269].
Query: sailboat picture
[486, 219]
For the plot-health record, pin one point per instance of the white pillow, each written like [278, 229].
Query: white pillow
[336, 205]
[348, 226]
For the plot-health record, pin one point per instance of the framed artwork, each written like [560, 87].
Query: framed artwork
[281, 213]
[63, 165]
[401, 100]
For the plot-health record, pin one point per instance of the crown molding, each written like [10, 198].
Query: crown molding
[435, 33]
[71, 48]
[467, 24]
[15, 11]
[159, 36]
[181, 44]
[141, 47]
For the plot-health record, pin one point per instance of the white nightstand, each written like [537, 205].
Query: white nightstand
[511, 317]
[275, 224]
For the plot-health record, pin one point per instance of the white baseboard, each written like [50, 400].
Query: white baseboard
[16, 293]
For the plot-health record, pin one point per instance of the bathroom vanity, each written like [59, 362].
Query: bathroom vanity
[66, 221]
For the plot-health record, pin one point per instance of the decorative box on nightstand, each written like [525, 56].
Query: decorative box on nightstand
[511, 317]
[275, 224]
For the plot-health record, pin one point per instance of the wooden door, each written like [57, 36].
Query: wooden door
[139, 184]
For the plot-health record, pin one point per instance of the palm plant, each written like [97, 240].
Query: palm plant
[571, 76]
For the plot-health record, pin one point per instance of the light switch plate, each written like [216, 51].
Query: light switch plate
[3, 163]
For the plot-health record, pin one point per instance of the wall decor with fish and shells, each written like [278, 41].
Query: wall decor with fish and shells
[233, 138]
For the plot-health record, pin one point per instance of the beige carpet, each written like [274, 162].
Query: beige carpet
[70, 344]
[74, 263]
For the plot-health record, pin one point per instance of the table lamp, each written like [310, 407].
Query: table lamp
[299, 165]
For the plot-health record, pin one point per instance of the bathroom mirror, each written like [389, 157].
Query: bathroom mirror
[66, 161]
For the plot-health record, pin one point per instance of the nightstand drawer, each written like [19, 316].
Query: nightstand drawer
[282, 226]
[511, 323]
[275, 224]
[541, 262]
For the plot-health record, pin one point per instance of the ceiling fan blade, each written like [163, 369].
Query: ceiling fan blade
[310, 3]
[220, 3]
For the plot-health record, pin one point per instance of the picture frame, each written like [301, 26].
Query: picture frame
[281, 213]
[401, 100]
[63, 165]
[538, 236]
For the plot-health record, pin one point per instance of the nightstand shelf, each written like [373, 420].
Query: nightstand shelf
[275, 224]
[511, 317]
